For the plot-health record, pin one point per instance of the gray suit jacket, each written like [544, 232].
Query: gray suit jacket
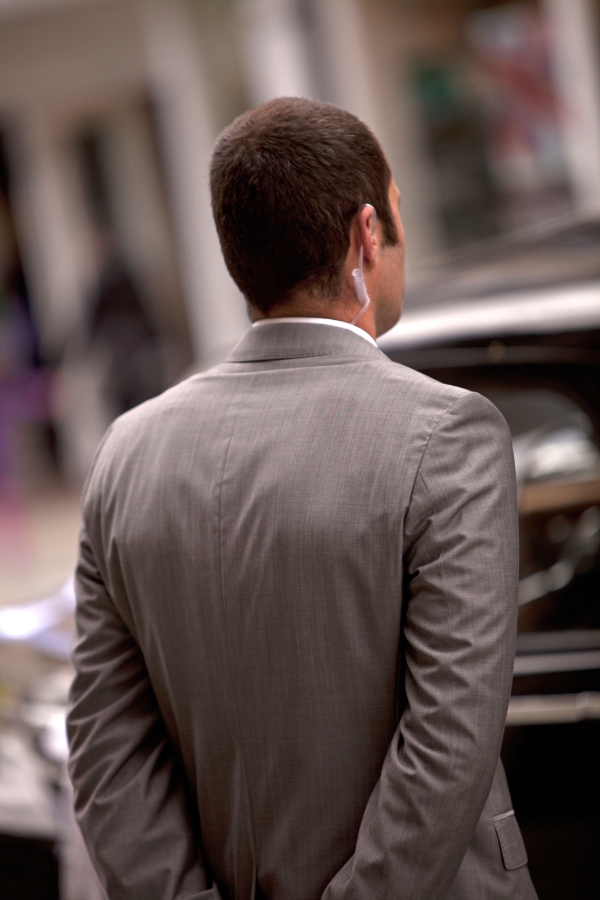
[295, 635]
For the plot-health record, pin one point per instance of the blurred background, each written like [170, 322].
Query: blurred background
[112, 285]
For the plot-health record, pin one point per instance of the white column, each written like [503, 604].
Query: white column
[274, 50]
[216, 308]
[53, 239]
[48, 231]
[575, 56]
[346, 60]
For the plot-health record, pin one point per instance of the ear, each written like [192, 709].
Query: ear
[367, 234]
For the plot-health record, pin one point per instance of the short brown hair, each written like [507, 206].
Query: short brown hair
[286, 179]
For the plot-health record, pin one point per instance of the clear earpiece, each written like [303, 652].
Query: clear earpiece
[360, 287]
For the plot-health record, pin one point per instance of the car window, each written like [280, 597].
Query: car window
[531, 408]
[557, 460]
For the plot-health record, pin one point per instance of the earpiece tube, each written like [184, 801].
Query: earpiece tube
[360, 288]
[358, 277]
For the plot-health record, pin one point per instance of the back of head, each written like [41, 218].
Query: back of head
[287, 178]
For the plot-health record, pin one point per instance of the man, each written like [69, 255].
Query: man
[297, 576]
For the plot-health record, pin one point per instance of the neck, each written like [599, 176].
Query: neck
[319, 308]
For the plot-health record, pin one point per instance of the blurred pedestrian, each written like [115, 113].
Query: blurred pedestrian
[121, 333]
[297, 579]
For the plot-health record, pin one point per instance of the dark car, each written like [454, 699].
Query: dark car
[519, 322]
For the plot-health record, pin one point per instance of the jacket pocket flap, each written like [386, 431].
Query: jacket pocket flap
[513, 850]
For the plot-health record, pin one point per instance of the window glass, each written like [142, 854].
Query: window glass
[557, 461]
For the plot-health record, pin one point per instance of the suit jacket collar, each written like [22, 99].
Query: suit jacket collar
[294, 340]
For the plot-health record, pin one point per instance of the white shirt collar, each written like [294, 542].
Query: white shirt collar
[315, 321]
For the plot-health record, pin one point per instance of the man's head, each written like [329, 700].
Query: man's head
[288, 181]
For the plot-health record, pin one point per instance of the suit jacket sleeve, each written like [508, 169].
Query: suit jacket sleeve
[457, 652]
[130, 793]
